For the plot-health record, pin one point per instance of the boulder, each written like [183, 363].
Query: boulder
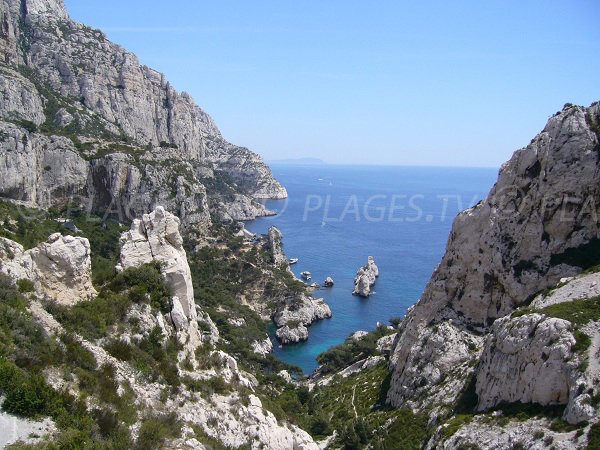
[527, 359]
[60, 268]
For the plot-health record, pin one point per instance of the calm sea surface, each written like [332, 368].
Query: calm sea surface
[336, 216]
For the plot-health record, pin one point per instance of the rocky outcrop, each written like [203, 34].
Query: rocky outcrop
[156, 238]
[528, 360]
[365, 278]
[386, 343]
[292, 334]
[275, 238]
[113, 133]
[298, 313]
[489, 433]
[358, 335]
[60, 268]
[524, 237]
[263, 347]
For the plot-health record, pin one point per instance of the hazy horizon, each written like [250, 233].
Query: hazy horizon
[392, 83]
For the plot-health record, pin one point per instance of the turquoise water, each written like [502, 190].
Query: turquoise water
[336, 216]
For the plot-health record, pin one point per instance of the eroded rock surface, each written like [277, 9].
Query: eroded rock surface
[60, 268]
[365, 278]
[523, 238]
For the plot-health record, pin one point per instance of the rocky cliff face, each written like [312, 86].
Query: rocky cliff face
[538, 224]
[83, 119]
[156, 238]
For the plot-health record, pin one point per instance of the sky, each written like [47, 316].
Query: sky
[443, 83]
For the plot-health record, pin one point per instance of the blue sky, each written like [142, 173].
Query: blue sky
[389, 82]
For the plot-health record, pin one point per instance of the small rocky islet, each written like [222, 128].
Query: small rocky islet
[145, 324]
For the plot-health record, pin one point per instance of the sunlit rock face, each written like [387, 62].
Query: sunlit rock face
[523, 238]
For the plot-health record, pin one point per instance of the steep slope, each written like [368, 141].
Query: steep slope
[538, 224]
[84, 120]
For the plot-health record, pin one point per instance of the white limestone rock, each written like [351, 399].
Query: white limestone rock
[582, 287]
[358, 335]
[20, 98]
[263, 347]
[292, 335]
[365, 278]
[485, 433]
[527, 359]
[300, 312]
[275, 238]
[52, 7]
[156, 237]
[385, 343]
[60, 268]
[286, 376]
[504, 250]
[105, 87]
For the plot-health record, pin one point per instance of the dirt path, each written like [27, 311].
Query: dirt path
[353, 406]
[593, 330]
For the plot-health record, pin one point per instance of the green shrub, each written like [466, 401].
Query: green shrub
[320, 427]
[76, 354]
[351, 351]
[594, 437]
[582, 342]
[578, 312]
[155, 431]
[25, 394]
[25, 285]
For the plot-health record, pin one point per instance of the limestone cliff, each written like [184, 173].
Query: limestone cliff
[84, 120]
[537, 225]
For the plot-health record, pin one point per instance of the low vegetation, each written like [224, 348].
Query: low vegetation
[351, 351]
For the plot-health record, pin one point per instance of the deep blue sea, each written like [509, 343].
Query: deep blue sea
[337, 216]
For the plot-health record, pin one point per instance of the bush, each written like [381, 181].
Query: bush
[26, 395]
[76, 354]
[351, 351]
[155, 430]
[594, 437]
[320, 427]
[578, 312]
[25, 285]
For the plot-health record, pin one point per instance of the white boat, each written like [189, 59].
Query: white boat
[293, 260]
[306, 275]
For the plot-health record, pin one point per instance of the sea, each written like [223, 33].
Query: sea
[337, 216]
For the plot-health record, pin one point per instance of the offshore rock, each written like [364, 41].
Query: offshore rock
[365, 278]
